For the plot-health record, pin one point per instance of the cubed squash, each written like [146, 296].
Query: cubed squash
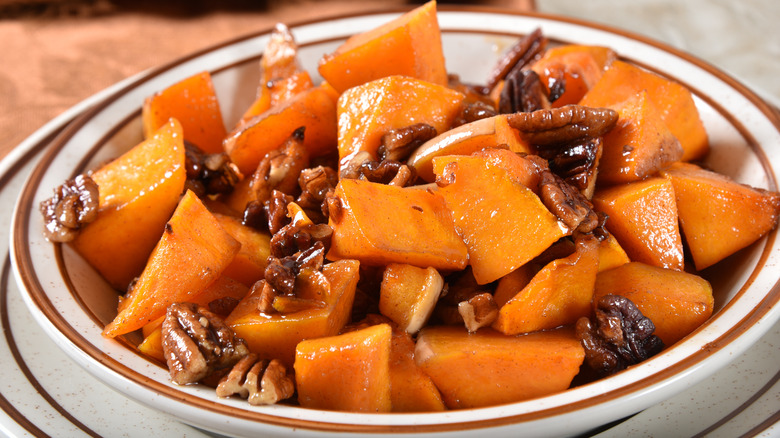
[248, 266]
[643, 217]
[409, 45]
[348, 372]
[380, 224]
[488, 368]
[611, 254]
[138, 192]
[639, 145]
[503, 223]
[578, 67]
[559, 294]
[368, 111]
[676, 301]
[193, 102]
[674, 101]
[193, 251]
[408, 295]
[718, 215]
[274, 336]
[411, 390]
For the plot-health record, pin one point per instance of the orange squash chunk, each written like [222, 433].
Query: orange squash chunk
[488, 368]
[515, 281]
[643, 218]
[719, 216]
[276, 91]
[409, 45]
[380, 224]
[348, 372]
[222, 288]
[611, 254]
[408, 295]
[411, 390]
[248, 266]
[580, 67]
[557, 295]
[466, 139]
[674, 101]
[503, 223]
[676, 301]
[313, 109]
[639, 145]
[193, 102]
[192, 253]
[274, 336]
[368, 111]
[138, 192]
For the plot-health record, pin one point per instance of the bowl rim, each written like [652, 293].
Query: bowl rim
[30, 285]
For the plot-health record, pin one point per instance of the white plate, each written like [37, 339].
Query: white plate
[736, 120]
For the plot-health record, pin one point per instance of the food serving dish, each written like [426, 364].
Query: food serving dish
[73, 304]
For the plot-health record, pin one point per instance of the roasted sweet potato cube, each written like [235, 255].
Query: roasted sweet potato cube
[348, 372]
[559, 294]
[677, 302]
[380, 224]
[503, 223]
[369, 111]
[489, 368]
[674, 101]
[411, 390]
[138, 192]
[639, 145]
[274, 336]
[718, 215]
[248, 266]
[409, 45]
[578, 67]
[408, 295]
[193, 251]
[643, 217]
[611, 254]
[193, 102]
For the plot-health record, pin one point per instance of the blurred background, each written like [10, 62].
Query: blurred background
[55, 53]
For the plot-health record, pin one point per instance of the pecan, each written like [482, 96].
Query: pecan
[567, 203]
[281, 272]
[351, 170]
[398, 144]
[473, 111]
[73, 205]
[618, 336]
[261, 382]
[300, 235]
[276, 211]
[460, 287]
[316, 183]
[525, 51]
[197, 342]
[254, 215]
[575, 162]
[478, 311]
[209, 174]
[523, 92]
[279, 168]
[570, 123]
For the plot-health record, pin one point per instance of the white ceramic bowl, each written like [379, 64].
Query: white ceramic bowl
[73, 304]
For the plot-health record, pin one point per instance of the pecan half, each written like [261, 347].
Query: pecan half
[398, 144]
[73, 205]
[523, 92]
[526, 50]
[567, 124]
[618, 336]
[209, 174]
[261, 382]
[279, 169]
[575, 162]
[197, 342]
[567, 203]
[478, 311]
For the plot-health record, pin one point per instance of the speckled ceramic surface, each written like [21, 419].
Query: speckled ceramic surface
[659, 387]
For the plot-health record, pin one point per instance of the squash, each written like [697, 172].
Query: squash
[409, 45]
[248, 266]
[408, 295]
[488, 368]
[578, 67]
[138, 192]
[193, 252]
[194, 103]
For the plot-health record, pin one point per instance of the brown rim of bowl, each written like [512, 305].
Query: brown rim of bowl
[36, 291]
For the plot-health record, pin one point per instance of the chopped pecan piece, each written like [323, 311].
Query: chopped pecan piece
[276, 211]
[575, 162]
[523, 92]
[279, 169]
[478, 311]
[567, 124]
[352, 169]
[261, 382]
[209, 174]
[398, 144]
[525, 51]
[197, 342]
[618, 336]
[567, 203]
[73, 205]
[316, 183]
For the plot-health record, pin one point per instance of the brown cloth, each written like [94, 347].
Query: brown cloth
[55, 54]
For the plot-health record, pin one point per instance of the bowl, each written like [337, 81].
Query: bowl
[73, 304]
